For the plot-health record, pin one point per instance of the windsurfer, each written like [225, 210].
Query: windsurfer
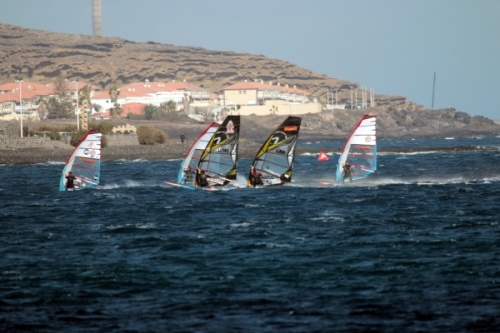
[347, 171]
[70, 181]
[188, 175]
[255, 177]
[203, 179]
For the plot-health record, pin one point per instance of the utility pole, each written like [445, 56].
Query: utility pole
[363, 98]
[433, 90]
[352, 102]
[77, 111]
[21, 103]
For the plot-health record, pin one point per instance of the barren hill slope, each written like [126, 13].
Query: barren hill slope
[103, 61]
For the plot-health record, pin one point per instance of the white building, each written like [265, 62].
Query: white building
[154, 93]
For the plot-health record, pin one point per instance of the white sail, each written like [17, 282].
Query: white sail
[360, 150]
[84, 163]
[190, 162]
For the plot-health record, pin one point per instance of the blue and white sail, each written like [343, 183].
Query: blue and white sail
[84, 162]
[189, 165]
[360, 150]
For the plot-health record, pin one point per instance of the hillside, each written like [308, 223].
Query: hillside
[41, 56]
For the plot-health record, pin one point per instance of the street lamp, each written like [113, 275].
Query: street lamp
[21, 103]
[77, 112]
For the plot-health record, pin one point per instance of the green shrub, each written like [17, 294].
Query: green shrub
[150, 136]
[54, 136]
[103, 127]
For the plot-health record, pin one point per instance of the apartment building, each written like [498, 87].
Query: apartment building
[261, 98]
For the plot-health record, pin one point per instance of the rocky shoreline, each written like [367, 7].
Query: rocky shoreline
[113, 153]
[315, 127]
[173, 151]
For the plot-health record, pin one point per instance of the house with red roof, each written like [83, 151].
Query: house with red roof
[18, 98]
[135, 109]
[29, 94]
[245, 98]
[154, 93]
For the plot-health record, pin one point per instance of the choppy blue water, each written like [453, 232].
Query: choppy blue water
[415, 248]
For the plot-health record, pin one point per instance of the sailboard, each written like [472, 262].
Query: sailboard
[360, 150]
[215, 151]
[84, 162]
[273, 163]
[219, 160]
[187, 171]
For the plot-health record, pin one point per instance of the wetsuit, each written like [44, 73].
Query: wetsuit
[189, 176]
[203, 180]
[70, 181]
[347, 172]
[257, 180]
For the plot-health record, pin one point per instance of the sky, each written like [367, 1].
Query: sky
[394, 47]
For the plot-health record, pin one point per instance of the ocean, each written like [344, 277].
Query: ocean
[413, 248]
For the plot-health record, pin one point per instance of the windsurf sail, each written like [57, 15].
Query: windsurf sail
[190, 163]
[219, 160]
[84, 163]
[273, 163]
[360, 150]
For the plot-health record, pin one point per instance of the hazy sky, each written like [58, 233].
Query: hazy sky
[392, 46]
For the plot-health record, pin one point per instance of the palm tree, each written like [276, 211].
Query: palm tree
[116, 110]
[84, 94]
[42, 108]
[273, 110]
[114, 92]
[61, 88]
[186, 101]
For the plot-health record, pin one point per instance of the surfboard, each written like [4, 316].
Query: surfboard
[187, 187]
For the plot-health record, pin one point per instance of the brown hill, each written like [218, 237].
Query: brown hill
[42, 56]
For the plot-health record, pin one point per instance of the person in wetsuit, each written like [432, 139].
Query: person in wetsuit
[255, 177]
[347, 171]
[203, 179]
[188, 173]
[70, 181]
